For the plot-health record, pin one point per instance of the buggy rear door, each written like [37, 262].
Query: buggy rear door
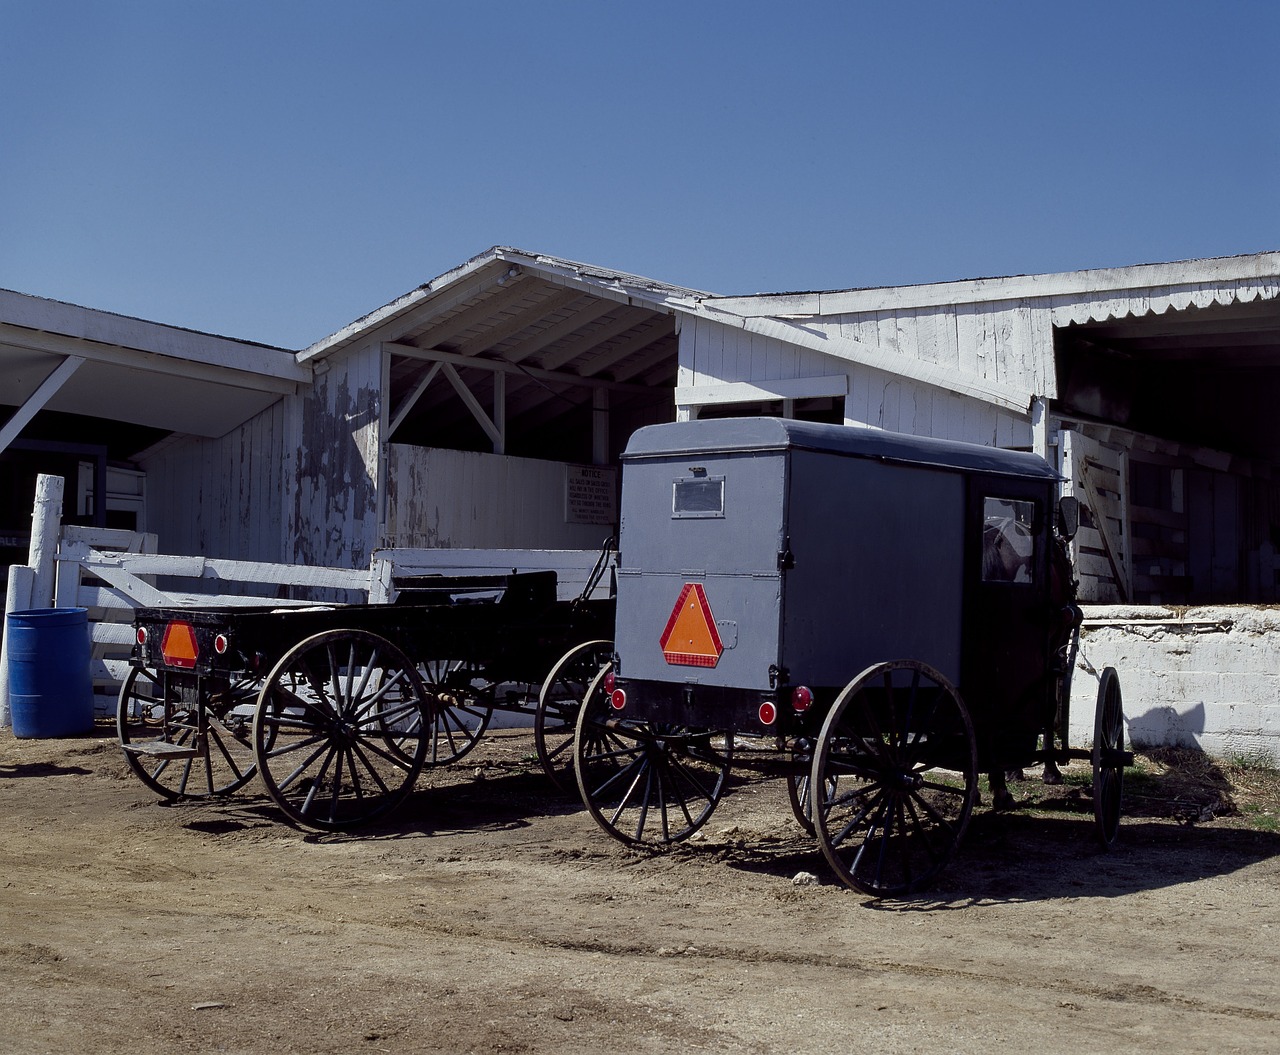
[699, 583]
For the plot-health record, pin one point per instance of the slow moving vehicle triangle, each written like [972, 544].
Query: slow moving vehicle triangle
[690, 638]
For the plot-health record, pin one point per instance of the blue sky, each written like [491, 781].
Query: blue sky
[273, 170]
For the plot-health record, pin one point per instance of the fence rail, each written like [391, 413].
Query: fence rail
[112, 572]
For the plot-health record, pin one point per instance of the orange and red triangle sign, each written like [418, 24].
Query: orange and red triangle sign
[690, 638]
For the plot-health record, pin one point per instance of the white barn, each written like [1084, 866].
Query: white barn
[488, 407]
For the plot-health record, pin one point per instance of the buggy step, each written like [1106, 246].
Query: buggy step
[162, 749]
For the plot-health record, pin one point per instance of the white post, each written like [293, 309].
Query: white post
[46, 522]
[1040, 427]
[17, 599]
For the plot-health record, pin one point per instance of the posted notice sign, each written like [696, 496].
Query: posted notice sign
[590, 494]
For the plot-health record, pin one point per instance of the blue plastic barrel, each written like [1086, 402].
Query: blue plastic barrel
[50, 685]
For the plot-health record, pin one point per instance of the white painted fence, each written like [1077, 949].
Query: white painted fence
[111, 573]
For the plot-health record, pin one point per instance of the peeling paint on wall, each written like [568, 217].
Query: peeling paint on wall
[1199, 677]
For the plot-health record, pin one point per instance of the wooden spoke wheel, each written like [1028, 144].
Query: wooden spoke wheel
[555, 721]
[338, 733]
[643, 783]
[898, 748]
[460, 708]
[799, 795]
[1108, 757]
[182, 747]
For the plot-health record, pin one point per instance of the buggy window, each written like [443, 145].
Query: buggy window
[1008, 540]
[703, 496]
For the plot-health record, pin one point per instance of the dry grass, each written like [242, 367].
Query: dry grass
[1193, 788]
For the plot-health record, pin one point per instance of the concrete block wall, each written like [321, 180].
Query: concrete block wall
[1198, 677]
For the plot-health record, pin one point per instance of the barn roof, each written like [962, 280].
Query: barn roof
[63, 357]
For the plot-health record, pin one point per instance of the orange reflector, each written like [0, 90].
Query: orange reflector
[179, 647]
[690, 638]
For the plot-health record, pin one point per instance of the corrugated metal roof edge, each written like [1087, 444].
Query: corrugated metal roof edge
[55, 305]
[1243, 266]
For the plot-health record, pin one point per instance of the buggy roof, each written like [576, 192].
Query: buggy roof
[742, 435]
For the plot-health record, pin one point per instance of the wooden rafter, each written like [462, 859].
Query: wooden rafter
[47, 390]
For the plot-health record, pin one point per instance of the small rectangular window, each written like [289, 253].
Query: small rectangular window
[703, 496]
[1008, 540]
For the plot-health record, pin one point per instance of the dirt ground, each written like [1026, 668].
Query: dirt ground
[491, 915]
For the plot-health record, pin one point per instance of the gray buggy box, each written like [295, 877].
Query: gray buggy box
[760, 553]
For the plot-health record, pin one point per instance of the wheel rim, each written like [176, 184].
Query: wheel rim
[161, 736]
[338, 729]
[1108, 741]
[460, 715]
[799, 794]
[647, 784]
[899, 745]
[559, 701]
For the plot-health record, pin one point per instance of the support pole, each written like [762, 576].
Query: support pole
[46, 522]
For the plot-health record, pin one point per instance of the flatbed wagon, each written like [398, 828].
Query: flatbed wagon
[338, 708]
[877, 618]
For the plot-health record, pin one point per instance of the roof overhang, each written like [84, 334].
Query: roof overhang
[66, 358]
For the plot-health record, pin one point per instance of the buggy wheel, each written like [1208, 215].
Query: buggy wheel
[1108, 757]
[799, 795]
[184, 749]
[556, 720]
[461, 708]
[898, 745]
[338, 730]
[643, 783]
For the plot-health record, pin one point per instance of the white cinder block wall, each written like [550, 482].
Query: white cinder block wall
[1202, 677]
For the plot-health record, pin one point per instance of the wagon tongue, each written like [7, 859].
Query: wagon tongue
[179, 648]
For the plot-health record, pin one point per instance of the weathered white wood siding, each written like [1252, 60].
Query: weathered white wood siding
[996, 333]
[332, 505]
[450, 499]
[222, 497]
[712, 354]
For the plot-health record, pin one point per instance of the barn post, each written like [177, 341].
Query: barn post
[1040, 427]
[46, 522]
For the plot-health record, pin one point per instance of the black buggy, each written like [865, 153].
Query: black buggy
[875, 616]
[338, 708]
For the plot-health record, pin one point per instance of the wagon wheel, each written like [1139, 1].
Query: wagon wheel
[461, 711]
[900, 746]
[798, 795]
[556, 719]
[161, 736]
[1108, 761]
[647, 784]
[337, 733]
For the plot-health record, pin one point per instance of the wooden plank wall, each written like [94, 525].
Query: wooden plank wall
[332, 504]
[1193, 526]
[224, 496]
[449, 499]
[1096, 476]
[712, 353]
